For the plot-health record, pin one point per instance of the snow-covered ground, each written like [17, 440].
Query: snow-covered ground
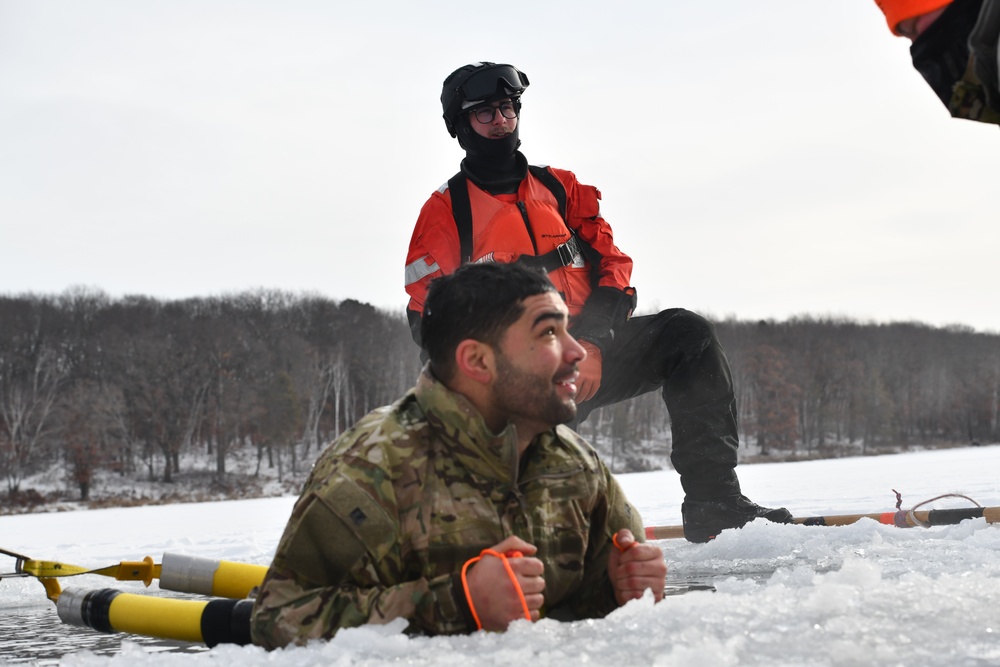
[864, 594]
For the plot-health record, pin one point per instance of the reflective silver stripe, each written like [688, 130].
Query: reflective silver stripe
[419, 269]
[188, 574]
[69, 606]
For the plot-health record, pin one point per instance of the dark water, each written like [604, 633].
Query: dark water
[35, 635]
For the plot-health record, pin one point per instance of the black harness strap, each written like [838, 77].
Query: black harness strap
[557, 258]
[558, 190]
[554, 259]
[461, 208]
[554, 185]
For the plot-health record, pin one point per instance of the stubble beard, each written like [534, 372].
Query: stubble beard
[521, 394]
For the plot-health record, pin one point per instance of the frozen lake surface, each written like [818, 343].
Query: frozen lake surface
[864, 594]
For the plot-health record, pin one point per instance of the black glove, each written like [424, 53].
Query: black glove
[607, 308]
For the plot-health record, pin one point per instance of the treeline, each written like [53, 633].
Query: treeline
[130, 385]
[833, 387]
[810, 384]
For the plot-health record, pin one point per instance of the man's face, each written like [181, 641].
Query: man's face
[537, 366]
[500, 125]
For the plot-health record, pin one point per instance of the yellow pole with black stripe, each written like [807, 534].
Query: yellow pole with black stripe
[223, 621]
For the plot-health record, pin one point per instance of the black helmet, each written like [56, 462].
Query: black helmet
[477, 83]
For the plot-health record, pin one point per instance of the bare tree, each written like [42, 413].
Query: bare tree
[32, 370]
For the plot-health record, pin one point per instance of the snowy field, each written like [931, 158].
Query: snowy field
[864, 594]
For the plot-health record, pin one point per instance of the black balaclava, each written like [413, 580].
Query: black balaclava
[493, 164]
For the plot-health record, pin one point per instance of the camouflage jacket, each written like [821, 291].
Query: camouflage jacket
[396, 506]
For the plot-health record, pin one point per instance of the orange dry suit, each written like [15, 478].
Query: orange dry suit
[588, 270]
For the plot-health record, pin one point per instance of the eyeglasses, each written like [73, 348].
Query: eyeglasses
[486, 114]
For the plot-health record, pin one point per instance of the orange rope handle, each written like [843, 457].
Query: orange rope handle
[510, 573]
[614, 540]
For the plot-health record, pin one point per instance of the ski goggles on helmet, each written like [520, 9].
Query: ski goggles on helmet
[489, 81]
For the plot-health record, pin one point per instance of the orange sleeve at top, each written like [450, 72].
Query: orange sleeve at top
[899, 10]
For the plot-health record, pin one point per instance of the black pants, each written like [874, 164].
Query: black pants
[678, 352]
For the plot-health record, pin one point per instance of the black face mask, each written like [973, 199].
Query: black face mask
[941, 55]
[492, 164]
[483, 148]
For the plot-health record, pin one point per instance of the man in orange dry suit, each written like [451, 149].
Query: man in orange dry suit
[498, 209]
[955, 50]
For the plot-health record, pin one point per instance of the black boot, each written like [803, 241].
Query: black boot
[705, 519]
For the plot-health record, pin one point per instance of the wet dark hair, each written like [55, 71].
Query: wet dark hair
[478, 301]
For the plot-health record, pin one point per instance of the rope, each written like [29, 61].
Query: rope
[510, 573]
[923, 524]
[614, 540]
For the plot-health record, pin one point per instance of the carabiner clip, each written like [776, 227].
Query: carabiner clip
[19, 560]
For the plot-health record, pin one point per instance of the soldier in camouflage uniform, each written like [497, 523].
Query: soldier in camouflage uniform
[471, 458]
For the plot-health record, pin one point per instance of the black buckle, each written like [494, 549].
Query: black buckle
[568, 251]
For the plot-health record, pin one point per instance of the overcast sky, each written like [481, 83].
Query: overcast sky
[757, 159]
